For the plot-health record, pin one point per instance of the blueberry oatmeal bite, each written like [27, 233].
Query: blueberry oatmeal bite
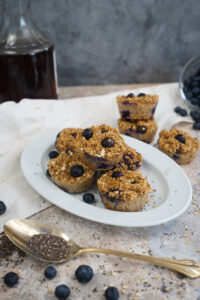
[66, 138]
[179, 145]
[103, 149]
[131, 159]
[70, 173]
[133, 107]
[143, 130]
[123, 190]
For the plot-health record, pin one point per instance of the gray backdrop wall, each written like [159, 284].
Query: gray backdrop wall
[120, 41]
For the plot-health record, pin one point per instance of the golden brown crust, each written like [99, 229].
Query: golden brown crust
[130, 128]
[182, 153]
[92, 150]
[67, 138]
[59, 169]
[137, 107]
[125, 192]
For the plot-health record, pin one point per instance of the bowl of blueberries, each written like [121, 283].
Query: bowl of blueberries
[189, 83]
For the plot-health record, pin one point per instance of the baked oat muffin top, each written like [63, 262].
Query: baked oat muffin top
[66, 139]
[68, 167]
[144, 99]
[123, 185]
[177, 140]
[102, 141]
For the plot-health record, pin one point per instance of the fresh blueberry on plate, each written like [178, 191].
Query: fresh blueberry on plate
[84, 274]
[53, 154]
[62, 292]
[88, 198]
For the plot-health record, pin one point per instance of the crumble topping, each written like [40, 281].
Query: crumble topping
[144, 100]
[134, 124]
[169, 144]
[67, 138]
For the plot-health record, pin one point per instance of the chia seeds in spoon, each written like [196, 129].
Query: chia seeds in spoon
[49, 247]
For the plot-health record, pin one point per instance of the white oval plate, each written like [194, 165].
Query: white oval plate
[171, 197]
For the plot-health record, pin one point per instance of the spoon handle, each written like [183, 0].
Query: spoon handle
[186, 267]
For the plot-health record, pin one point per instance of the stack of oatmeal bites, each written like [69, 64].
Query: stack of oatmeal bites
[99, 154]
[137, 116]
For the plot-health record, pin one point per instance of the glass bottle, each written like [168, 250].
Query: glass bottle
[27, 58]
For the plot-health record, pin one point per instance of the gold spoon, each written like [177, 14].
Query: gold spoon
[20, 231]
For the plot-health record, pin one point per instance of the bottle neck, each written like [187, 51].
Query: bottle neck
[18, 32]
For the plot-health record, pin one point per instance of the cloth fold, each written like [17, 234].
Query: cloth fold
[20, 123]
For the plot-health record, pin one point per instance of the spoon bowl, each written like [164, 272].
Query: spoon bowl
[20, 231]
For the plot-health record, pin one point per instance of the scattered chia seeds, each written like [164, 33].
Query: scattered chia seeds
[49, 247]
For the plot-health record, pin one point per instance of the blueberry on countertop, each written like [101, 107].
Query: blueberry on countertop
[88, 198]
[62, 292]
[181, 111]
[10, 279]
[84, 274]
[180, 138]
[2, 207]
[87, 133]
[53, 154]
[107, 142]
[50, 272]
[141, 94]
[131, 95]
[196, 125]
[111, 293]
[195, 115]
[77, 171]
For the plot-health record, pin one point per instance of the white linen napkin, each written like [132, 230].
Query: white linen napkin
[20, 123]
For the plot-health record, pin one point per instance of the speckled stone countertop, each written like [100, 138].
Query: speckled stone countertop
[135, 280]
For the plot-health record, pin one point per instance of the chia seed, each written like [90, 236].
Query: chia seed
[49, 247]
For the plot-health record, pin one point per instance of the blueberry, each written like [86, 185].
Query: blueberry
[77, 171]
[196, 126]
[185, 89]
[111, 293]
[10, 279]
[194, 101]
[117, 174]
[84, 274]
[196, 91]
[180, 138]
[177, 109]
[131, 95]
[107, 142]
[194, 84]
[187, 82]
[141, 129]
[2, 207]
[88, 198]
[141, 94]
[62, 292]
[189, 95]
[58, 135]
[176, 154]
[50, 272]
[133, 182]
[53, 154]
[69, 151]
[87, 133]
[74, 134]
[195, 115]
[125, 114]
[48, 173]
[183, 112]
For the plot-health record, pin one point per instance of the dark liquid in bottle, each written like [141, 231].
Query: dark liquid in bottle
[29, 75]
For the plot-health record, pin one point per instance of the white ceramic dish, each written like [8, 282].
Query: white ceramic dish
[170, 199]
